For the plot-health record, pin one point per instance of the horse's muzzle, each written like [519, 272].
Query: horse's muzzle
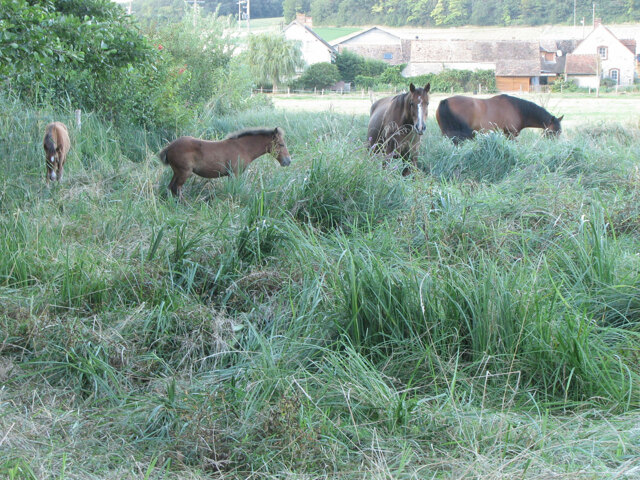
[418, 130]
[285, 162]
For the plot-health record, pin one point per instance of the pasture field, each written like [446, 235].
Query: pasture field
[578, 110]
[332, 319]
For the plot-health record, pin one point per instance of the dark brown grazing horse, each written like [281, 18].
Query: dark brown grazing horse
[461, 117]
[397, 124]
[187, 155]
[56, 146]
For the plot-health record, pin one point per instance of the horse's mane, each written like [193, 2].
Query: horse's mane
[252, 132]
[528, 108]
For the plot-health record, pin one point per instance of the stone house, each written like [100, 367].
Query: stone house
[616, 58]
[375, 43]
[517, 63]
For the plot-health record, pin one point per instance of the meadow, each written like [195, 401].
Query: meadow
[331, 319]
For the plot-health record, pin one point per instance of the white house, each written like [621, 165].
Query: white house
[616, 57]
[314, 49]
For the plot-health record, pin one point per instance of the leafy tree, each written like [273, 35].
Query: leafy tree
[349, 65]
[196, 47]
[320, 75]
[274, 58]
[87, 51]
[291, 7]
[440, 12]
[458, 12]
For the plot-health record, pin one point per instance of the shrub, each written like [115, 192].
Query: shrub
[320, 75]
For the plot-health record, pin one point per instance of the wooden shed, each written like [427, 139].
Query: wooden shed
[517, 75]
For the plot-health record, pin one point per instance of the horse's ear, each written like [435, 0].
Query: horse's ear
[427, 87]
[412, 87]
[275, 132]
[560, 118]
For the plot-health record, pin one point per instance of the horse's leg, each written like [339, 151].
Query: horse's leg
[61, 171]
[179, 177]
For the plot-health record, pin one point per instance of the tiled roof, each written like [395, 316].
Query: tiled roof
[582, 64]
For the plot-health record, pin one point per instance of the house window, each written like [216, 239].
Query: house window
[388, 56]
[603, 51]
[614, 74]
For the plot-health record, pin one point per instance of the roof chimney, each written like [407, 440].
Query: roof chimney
[597, 22]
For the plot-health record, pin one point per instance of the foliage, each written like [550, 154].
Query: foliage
[291, 7]
[273, 58]
[153, 12]
[562, 85]
[462, 12]
[351, 64]
[195, 50]
[320, 75]
[88, 52]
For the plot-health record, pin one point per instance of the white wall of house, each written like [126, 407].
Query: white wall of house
[618, 57]
[313, 50]
[585, 81]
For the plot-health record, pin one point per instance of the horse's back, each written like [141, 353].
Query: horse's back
[57, 131]
[376, 120]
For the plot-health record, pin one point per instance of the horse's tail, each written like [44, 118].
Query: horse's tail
[451, 124]
[163, 155]
[49, 142]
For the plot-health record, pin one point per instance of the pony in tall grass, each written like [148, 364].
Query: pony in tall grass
[460, 117]
[208, 159]
[397, 123]
[56, 146]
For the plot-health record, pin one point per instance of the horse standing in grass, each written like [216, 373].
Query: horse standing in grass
[56, 147]
[461, 117]
[187, 155]
[397, 124]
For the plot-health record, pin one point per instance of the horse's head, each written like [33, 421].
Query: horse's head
[52, 157]
[553, 127]
[417, 105]
[279, 148]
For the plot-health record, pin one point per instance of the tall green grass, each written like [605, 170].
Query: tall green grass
[328, 319]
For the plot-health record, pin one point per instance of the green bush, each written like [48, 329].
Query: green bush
[320, 75]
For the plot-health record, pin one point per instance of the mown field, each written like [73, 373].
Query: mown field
[332, 319]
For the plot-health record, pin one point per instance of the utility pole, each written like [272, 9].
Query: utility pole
[195, 9]
[574, 16]
[246, 14]
[240, 3]
[593, 15]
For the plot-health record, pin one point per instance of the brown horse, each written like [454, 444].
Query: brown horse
[187, 155]
[56, 146]
[397, 124]
[461, 117]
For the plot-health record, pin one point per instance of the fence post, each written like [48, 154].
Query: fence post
[288, 91]
[322, 92]
[479, 89]
[79, 119]
[261, 90]
[315, 90]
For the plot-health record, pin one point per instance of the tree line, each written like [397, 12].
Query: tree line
[453, 13]
[433, 13]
